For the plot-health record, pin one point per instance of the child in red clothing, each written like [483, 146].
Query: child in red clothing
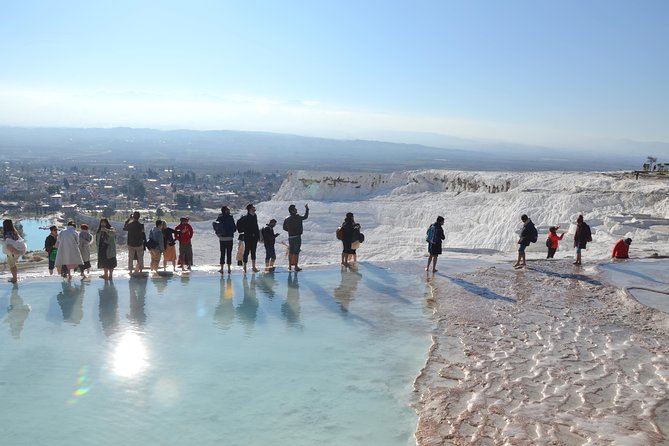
[553, 238]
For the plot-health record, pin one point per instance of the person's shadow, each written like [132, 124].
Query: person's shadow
[345, 292]
[17, 312]
[137, 288]
[108, 308]
[290, 308]
[224, 314]
[71, 301]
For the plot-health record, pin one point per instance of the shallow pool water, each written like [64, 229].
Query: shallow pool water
[33, 235]
[647, 280]
[323, 357]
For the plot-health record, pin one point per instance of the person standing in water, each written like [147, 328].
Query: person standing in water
[582, 236]
[435, 235]
[105, 239]
[293, 226]
[527, 235]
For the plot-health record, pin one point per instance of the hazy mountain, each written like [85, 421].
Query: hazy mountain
[282, 151]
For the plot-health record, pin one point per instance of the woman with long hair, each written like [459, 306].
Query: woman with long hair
[13, 246]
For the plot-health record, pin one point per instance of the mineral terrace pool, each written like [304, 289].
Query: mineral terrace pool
[324, 357]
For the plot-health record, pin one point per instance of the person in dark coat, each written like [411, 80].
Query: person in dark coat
[269, 239]
[351, 231]
[434, 239]
[225, 229]
[248, 224]
[527, 235]
[581, 238]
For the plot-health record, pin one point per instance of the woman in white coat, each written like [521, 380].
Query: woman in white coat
[68, 257]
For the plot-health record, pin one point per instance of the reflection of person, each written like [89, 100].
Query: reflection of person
[344, 293]
[68, 257]
[17, 313]
[13, 246]
[266, 283]
[225, 229]
[105, 239]
[434, 239]
[621, 249]
[50, 247]
[293, 226]
[582, 236]
[137, 288]
[136, 238]
[109, 308]
[291, 307]
[247, 311]
[554, 240]
[224, 314]
[71, 301]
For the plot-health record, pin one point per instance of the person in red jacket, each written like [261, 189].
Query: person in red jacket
[553, 239]
[183, 233]
[622, 248]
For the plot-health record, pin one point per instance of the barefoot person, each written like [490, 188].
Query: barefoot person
[269, 239]
[435, 234]
[105, 240]
[582, 236]
[225, 229]
[351, 233]
[170, 253]
[527, 235]
[68, 257]
[621, 249]
[13, 246]
[293, 226]
[553, 241]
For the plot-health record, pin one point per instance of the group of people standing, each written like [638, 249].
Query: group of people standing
[250, 234]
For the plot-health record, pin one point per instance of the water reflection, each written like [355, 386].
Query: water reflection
[224, 314]
[290, 308]
[17, 312]
[108, 309]
[247, 311]
[71, 301]
[344, 293]
[266, 283]
[137, 288]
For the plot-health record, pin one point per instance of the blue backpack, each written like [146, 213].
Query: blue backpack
[429, 236]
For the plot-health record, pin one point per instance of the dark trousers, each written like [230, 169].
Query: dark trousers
[226, 250]
[551, 252]
[250, 247]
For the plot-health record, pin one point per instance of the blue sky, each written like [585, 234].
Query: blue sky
[569, 73]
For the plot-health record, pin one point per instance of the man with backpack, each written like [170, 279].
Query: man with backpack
[528, 235]
[225, 228]
[268, 237]
[582, 236]
[434, 236]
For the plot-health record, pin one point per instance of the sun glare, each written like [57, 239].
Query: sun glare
[130, 358]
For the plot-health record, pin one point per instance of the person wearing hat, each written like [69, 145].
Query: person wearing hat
[183, 233]
[553, 241]
[85, 241]
[248, 225]
[269, 239]
[621, 249]
[293, 226]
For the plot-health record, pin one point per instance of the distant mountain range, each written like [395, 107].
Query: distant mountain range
[273, 151]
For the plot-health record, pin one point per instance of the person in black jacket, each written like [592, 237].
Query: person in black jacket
[225, 228]
[268, 239]
[581, 238]
[434, 239]
[351, 231]
[527, 235]
[248, 224]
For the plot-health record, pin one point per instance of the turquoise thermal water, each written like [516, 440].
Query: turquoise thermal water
[323, 357]
[33, 235]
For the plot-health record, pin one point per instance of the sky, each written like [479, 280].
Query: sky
[570, 73]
